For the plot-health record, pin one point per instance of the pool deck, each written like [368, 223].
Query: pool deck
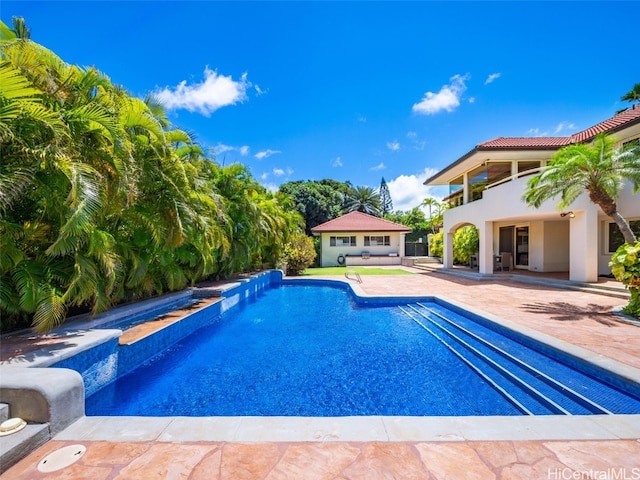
[388, 447]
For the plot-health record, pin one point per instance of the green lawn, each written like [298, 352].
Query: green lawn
[360, 270]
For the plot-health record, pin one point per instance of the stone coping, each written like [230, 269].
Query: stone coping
[352, 429]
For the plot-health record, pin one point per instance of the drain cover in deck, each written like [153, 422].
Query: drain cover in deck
[61, 458]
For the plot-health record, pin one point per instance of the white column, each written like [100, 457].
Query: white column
[583, 246]
[447, 249]
[485, 260]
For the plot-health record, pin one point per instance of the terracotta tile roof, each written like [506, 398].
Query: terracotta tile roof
[621, 120]
[525, 142]
[359, 222]
[624, 119]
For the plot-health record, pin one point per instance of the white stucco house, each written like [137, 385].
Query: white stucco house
[357, 238]
[485, 190]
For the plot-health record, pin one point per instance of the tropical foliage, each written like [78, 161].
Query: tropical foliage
[102, 201]
[466, 242]
[436, 213]
[436, 244]
[299, 253]
[365, 200]
[599, 168]
[317, 201]
[625, 266]
[632, 95]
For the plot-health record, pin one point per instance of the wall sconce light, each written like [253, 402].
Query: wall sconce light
[571, 214]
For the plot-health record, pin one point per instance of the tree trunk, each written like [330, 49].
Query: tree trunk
[609, 207]
[625, 229]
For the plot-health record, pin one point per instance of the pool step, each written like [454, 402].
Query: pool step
[526, 386]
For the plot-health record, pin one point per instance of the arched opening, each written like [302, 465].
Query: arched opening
[464, 239]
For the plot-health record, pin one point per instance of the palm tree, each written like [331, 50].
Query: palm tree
[364, 199]
[435, 217]
[598, 167]
[102, 201]
[632, 95]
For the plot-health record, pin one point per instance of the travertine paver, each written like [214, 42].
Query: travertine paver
[248, 461]
[166, 460]
[344, 460]
[386, 460]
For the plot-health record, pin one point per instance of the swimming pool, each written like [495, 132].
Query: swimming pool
[301, 350]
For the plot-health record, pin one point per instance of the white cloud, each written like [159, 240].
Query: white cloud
[221, 148]
[564, 126]
[393, 146]
[419, 144]
[537, 133]
[337, 162]
[259, 91]
[492, 77]
[380, 166]
[472, 99]
[214, 92]
[279, 172]
[362, 119]
[409, 191]
[264, 176]
[448, 98]
[560, 128]
[266, 153]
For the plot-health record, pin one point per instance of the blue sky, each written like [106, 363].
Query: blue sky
[356, 91]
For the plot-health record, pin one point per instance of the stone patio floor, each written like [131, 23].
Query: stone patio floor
[580, 318]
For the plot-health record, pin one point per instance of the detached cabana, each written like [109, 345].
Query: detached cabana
[360, 239]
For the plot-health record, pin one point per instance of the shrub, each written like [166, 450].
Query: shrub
[299, 253]
[466, 242]
[625, 266]
[436, 248]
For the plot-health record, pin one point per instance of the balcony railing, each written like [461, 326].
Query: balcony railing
[456, 198]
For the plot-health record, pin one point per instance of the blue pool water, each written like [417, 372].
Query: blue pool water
[310, 351]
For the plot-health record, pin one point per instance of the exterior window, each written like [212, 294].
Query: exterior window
[631, 143]
[477, 182]
[615, 236]
[497, 171]
[455, 192]
[528, 166]
[372, 241]
[342, 241]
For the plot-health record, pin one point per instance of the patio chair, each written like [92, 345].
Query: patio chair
[502, 261]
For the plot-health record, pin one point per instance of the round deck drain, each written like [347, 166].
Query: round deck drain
[61, 458]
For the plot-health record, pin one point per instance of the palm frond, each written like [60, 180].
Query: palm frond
[50, 312]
